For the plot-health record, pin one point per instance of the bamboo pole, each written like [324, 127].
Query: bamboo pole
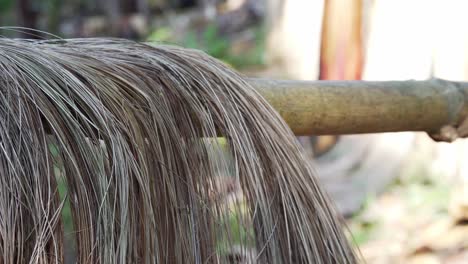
[436, 106]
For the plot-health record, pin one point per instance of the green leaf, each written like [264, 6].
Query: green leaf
[5, 5]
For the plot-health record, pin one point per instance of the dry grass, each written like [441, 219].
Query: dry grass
[132, 125]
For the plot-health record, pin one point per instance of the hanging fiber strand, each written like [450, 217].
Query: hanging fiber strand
[136, 129]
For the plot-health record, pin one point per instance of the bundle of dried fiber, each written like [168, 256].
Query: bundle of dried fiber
[135, 127]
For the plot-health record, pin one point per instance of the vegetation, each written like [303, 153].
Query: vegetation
[419, 196]
[5, 5]
[215, 45]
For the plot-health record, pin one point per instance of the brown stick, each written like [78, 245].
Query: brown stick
[436, 106]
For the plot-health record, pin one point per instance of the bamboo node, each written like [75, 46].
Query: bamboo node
[450, 133]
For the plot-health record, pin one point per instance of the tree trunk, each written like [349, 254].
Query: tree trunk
[293, 43]
[114, 15]
[26, 17]
[341, 50]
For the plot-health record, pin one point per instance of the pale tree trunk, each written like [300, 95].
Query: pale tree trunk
[410, 48]
[451, 62]
[400, 49]
[301, 34]
[293, 41]
[341, 59]
[397, 49]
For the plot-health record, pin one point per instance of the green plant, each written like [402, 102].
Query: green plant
[363, 230]
[214, 44]
[163, 34]
[62, 189]
[5, 5]
[235, 230]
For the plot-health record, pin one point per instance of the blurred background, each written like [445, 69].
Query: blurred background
[404, 196]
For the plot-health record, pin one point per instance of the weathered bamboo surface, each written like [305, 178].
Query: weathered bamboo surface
[436, 106]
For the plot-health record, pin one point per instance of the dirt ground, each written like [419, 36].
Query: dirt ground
[411, 223]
